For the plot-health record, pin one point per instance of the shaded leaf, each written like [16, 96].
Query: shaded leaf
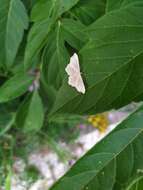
[88, 11]
[55, 57]
[113, 4]
[73, 32]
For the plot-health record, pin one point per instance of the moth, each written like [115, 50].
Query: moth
[73, 70]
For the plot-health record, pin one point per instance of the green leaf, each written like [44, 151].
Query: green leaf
[48, 93]
[103, 164]
[73, 32]
[55, 58]
[137, 184]
[45, 20]
[61, 6]
[6, 122]
[113, 4]
[8, 180]
[30, 116]
[39, 31]
[29, 4]
[36, 40]
[124, 172]
[113, 56]
[88, 11]
[13, 22]
[42, 10]
[15, 87]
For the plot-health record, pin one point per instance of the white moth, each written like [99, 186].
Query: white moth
[73, 71]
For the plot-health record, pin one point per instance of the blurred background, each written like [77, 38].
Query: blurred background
[40, 160]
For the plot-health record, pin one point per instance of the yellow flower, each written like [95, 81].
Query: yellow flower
[99, 121]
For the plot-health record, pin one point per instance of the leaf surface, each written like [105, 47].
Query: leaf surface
[15, 87]
[112, 56]
[44, 21]
[13, 22]
[30, 116]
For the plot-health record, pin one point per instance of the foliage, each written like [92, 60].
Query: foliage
[36, 42]
[114, 163]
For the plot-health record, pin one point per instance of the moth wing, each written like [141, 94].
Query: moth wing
[77, 82]
[72, 81]
[75, 62]
[73, 70]
[80, 85]
[73, 66]
[70, 70]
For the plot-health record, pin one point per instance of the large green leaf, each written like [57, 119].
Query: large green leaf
[15, 87]
[111, 64]
[88, 11]
[13, 21]
[111, 163]
[30, 116]
[44, 22]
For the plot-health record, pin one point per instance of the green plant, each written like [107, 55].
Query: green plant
[36, 42]
[114, 163]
